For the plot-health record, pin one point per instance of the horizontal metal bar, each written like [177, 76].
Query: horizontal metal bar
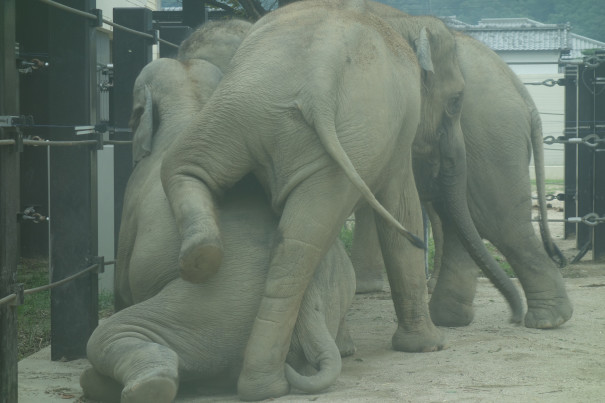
[52, 143]
[8, 299]
[60, 282]
[71, 10]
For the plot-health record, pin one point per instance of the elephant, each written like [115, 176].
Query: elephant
[501, 127]
[322, 102]
[166, 93]
[197, 332]
[166, 329]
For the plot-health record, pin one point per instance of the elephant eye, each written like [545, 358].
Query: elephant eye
[454, 105]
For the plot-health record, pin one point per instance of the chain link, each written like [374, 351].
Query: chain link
[590, 219]
[592, 140]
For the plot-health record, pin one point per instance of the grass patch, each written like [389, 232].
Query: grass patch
[34, 315]
[550, 185]
[346, 235]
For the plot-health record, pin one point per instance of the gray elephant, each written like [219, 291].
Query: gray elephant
[322, 102]
[176, 330]
[501, 127]
[198, 332]
[166, 94]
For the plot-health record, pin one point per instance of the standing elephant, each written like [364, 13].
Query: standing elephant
[166, 94]
[501, 126]
[198, 332]
[322, 102]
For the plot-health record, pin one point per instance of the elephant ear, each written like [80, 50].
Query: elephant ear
[143, 129]
[423, 51]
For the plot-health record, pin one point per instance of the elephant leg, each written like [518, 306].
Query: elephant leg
[148, 371]
[344, 341]
[192, 183]
[313, 214]
[451, 302]
[405, 269]
[365, 252]
[548, 305]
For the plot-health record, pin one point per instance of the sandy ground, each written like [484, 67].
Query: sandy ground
[489, 361]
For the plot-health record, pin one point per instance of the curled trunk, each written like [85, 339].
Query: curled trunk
[320, 349]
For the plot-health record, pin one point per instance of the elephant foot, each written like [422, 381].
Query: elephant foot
[154, 388]
[367, 285]
[345, 342]
[420, 341]
[254, 386]
[200, 257]
[450, 312]
[100, 387]
[548, 314]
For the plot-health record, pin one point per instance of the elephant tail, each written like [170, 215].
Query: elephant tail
[537, 145]
[322, 119]
[320, 350]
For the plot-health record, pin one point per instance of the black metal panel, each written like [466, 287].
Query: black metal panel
[9, 203]
[130, 54]
[74, 306]
[570, 152]
[194, 13]
[585, 173]
[174, 35]
[599, 164]
[32, 35]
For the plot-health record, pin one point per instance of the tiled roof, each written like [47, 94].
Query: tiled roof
[502, 34]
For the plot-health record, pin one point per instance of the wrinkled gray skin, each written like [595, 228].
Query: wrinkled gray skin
[167, 93]
[176, 329]
[198, 332]
[321, 102]
[501, 127]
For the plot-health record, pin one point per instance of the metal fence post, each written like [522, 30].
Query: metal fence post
[598, 241]
[130, 54]
[585, 164]
[9, 204]
[194, 13]
[32, 35]
[74, 306]
[570, 150]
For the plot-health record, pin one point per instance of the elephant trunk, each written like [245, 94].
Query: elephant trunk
[319, 348]
[453, 183]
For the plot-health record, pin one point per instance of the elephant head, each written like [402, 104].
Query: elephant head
[167, 92]
[439, 155]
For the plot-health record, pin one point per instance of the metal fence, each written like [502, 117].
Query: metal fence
[67, 106]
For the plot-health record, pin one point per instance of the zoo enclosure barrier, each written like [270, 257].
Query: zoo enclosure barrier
[584, 152]
[62, 87]
[74, 307]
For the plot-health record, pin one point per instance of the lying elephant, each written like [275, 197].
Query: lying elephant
[166, 94]
[501, 127]
[322, 102]
[198, 332]
[177, 330]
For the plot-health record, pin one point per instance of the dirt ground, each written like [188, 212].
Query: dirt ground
[489, 361]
